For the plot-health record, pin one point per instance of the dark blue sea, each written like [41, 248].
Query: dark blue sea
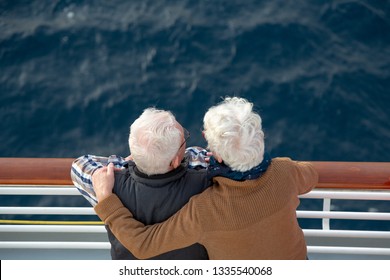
[75, 74]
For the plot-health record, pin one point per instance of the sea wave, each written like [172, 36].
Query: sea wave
[318, 72]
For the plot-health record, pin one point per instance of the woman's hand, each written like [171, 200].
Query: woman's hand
[103, 181]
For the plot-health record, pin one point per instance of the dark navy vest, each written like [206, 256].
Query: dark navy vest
[153, 199]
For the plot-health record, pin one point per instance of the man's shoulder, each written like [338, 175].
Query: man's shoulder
[196, 171]
[121, 176]
[200, 174]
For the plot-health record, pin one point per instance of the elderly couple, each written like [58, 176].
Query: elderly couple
[168, 202]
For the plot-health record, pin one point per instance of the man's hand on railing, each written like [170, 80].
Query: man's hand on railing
[103, 181]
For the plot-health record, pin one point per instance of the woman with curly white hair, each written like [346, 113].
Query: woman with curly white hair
[248, 213]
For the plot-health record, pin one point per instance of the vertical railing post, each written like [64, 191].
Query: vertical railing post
[326, 208]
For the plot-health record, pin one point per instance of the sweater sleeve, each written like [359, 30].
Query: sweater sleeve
[306, 176]
[181, 230]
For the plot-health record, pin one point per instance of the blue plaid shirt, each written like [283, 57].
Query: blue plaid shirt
[84, 166]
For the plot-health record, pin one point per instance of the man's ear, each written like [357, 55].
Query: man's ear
[175, 162]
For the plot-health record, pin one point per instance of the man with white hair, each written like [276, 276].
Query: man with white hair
[248, 213]
[154, 182]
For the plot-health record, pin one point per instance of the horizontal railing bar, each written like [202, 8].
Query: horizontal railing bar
[343, 215]
[53, 245]
[314, 194]
[101, 229]
[358, 195]
[367, 175]
[348, 250]
[353, 174]
[346, 233]
[90, 211]
[39, 191]
[36, 171]
[48, 210]
[106, 246]
[53, 228]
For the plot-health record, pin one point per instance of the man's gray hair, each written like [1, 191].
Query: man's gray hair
[154, 141]
[233, 131]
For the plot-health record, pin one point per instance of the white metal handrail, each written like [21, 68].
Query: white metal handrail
[343, 215]
[348, 250]
[326, 195]
[326, 214]
[90, 211]
[53, 245]
[53, 228]
[38, 190]
[347, 233]
[106, 246]
[101, 229]
[48, 210]
[347, 194]
[319, 194]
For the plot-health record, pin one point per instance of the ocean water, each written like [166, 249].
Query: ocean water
[75, 74]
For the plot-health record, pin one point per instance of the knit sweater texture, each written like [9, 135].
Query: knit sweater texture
[252, 219]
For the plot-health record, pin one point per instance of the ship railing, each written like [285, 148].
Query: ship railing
[338, 181]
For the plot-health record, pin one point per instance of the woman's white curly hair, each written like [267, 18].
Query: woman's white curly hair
[234, 132]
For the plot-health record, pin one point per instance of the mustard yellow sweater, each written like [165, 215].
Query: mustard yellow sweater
[253, 219]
